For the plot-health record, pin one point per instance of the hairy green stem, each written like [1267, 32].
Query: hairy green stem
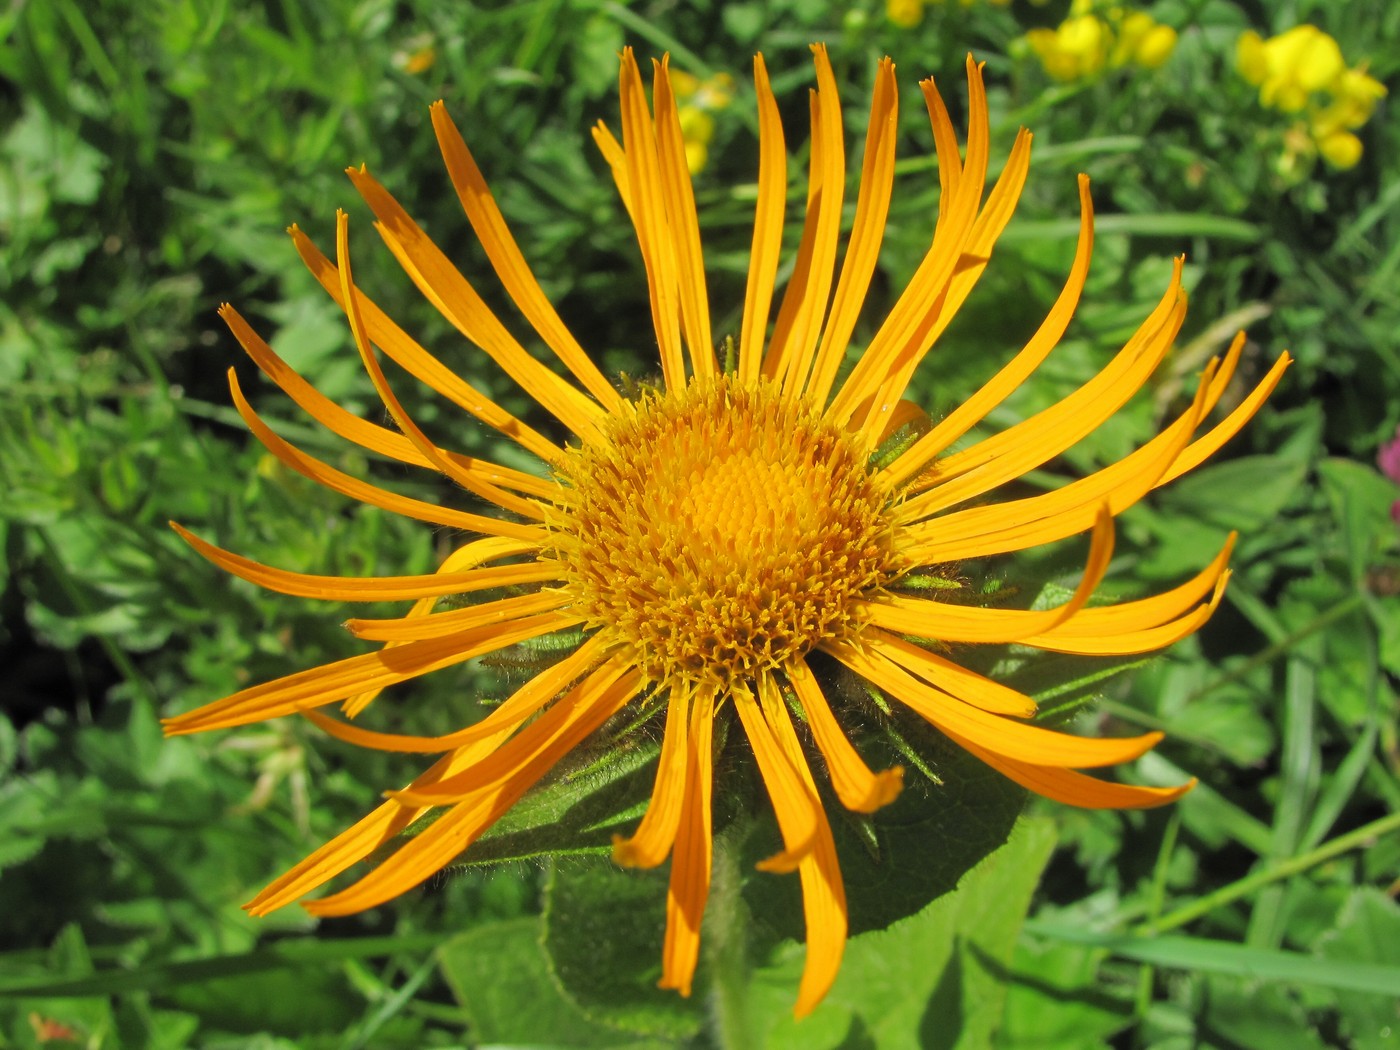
[726, 942]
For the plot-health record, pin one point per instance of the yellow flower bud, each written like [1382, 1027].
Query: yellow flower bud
[1341, 149]
[1156, 47]
[905, 13]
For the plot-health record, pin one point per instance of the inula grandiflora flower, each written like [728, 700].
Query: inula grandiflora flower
[722, 539]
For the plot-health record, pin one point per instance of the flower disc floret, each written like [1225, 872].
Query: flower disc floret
[723, 531]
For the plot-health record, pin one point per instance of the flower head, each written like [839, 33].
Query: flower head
[722, 539]
[1302, 71]
[1094, 38]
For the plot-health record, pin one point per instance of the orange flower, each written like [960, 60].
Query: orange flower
[712, 535]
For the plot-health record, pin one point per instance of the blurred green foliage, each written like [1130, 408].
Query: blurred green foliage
[150, 155]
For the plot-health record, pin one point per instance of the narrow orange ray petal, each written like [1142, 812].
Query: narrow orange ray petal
[940, 621]
[917, 308]
[335, 681]
[436, 625]
[979, 132]
[349, 847]
[823, 893]
[469, 480]
[683, 222]
[572, 715]
[1076, 789]
[952, 176]
[1049, 432]
[1154, 457]
[369, 435]
[465, 557]
[968, 686]
[362, 839]
[443, 285]
[521, 704]
[374, 588]
[509, 262]
[1002, 736]
[689, 886]
[606, 692]
[867, 232]
[858, 788]
[611, 150]
[796, 345]
[650, 844]
[649, 218]
[515, 765]
[1111, 642]
[778, 356]
[796, 807]
[411, 356]
[1035, 520]
[338, 481]
[995, 390]
[769, 212]
[945, 142]
[1001, 204]
[1210, 442]
[1142, 613]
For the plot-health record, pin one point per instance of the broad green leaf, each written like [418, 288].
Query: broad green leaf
[1056, 1001]
[500, 975]
[603, 929]
[934, 980]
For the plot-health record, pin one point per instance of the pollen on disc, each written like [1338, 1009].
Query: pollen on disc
[722, 531]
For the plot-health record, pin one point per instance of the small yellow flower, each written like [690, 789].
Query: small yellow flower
[1092, 39]
[724, 538]
[1291, 66]
[1145, 42]
[1156, 47]
[1077, 48]
[1302, 71]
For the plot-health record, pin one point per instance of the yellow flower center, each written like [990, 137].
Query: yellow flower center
[722, 531]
